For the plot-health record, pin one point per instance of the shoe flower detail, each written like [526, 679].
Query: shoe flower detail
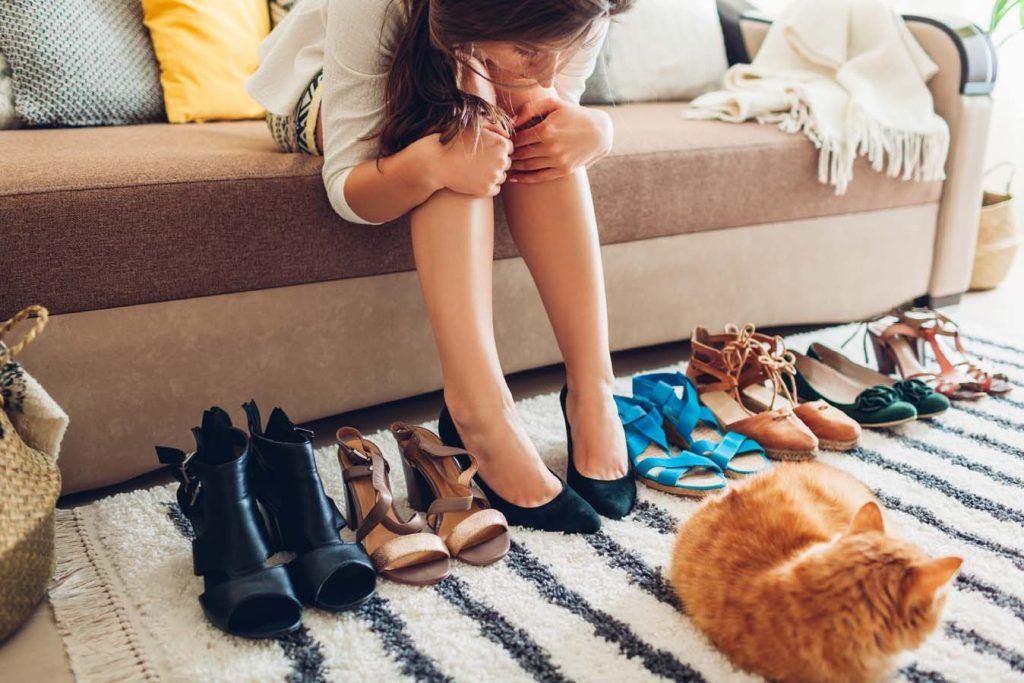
[876, 398]
[912, 390]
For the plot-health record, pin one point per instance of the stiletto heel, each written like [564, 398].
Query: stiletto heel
[613, 498]
[567, 512]
[459, 514]
[401, 550]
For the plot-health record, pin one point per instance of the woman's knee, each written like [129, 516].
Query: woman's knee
[448, 207]
[475, 80]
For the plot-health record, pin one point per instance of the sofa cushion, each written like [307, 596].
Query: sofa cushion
[96, 218]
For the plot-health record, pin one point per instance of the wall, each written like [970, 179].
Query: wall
[1007, 139]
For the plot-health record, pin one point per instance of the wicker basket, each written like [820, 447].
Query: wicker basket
[998, 238]
[29, 487]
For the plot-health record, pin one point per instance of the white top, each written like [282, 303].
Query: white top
[355, 64]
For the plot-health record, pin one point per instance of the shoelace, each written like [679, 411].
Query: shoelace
[736, 353]
[780, 364]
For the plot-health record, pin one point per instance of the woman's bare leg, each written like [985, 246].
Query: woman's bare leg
[453, 244]
[554, 226]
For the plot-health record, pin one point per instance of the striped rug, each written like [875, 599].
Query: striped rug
[559, 608]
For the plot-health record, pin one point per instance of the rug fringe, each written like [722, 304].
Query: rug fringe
[100, 643]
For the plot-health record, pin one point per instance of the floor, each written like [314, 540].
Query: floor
[31, 654]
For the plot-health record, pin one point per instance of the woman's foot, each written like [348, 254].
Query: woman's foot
[492, 430]
[598, 439]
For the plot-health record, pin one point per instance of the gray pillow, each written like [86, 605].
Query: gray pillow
[665, 50]
[7, 117]
[80, 62]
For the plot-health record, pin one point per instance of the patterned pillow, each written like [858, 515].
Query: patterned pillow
[7, 117]
[80, 63]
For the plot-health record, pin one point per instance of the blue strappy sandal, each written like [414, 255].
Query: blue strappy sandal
[683, 474]
[690, 425]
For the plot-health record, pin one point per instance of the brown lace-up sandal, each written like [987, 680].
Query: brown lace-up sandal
[401, 551]
[836, 431]
[456, 510]
[898, 339]
[720, 366]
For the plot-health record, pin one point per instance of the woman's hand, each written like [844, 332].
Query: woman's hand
[567, 138]
[474, 165]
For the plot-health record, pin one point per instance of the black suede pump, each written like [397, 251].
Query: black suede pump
[612, 498]
[567, 512]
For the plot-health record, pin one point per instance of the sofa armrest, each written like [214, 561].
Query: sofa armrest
[967, 74]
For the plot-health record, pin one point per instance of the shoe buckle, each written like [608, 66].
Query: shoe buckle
[192, 484]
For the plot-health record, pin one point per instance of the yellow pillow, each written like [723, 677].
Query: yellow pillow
[207, 50]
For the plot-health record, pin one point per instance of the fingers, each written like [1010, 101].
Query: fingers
[533, 164]
[528, 152]
[536, 108]
[530, 177]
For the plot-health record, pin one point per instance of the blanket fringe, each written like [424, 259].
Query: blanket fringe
[911, 156]
[100, 644]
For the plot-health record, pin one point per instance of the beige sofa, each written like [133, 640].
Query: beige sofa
[194, 265]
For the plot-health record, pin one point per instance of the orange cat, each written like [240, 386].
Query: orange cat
[792, 576]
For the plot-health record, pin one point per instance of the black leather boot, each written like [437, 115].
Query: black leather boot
[326, 572]
[241, 594]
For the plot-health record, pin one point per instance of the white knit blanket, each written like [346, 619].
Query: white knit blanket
[851, 77]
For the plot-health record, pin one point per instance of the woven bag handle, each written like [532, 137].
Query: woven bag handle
[40, 314]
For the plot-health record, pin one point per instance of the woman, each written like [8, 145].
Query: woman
[432, 107]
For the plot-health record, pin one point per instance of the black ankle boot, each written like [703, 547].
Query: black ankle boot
[241, 595]
[326, 572]
[613, 498]
[567, 512]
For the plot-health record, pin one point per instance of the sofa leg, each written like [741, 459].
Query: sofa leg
[938, 301]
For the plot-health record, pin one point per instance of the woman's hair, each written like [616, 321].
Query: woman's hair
[422, 94]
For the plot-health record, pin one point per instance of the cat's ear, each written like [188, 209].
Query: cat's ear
[868, 518]
[925, 579]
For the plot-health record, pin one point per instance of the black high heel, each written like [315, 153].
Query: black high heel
[326, 572]
[241, 595]
[613, 498]
[567, 512]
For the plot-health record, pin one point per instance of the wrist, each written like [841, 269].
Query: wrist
[428, 162]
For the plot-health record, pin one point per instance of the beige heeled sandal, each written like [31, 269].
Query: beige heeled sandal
[456, 510]
[401, 551]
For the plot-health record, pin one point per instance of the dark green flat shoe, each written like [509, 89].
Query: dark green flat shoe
[870, 405]
[927, 401]
[612, 498]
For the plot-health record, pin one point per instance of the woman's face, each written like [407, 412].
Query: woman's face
[522, 65]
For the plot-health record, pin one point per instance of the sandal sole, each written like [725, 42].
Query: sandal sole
[931, 415]
[840, 446]
[676, 491]
[791, 456]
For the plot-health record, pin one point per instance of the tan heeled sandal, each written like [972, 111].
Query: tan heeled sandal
[897, 341]
[456, 510]
[933, 328]
[400, 550]
[721, 365]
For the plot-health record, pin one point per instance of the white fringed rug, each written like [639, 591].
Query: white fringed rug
[559, 608]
